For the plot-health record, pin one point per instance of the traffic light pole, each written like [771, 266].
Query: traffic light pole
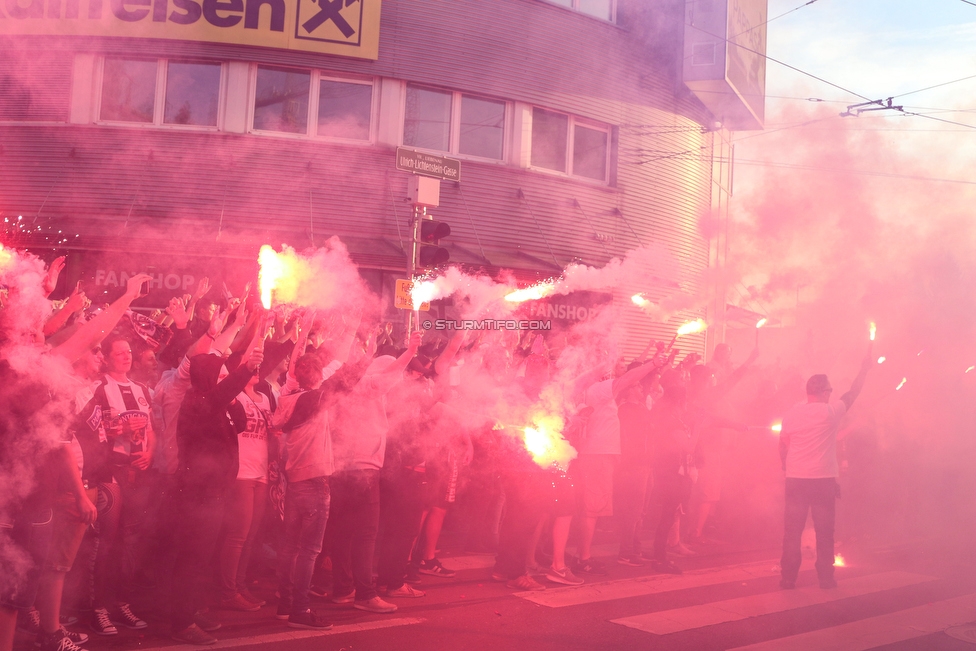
[419, 213]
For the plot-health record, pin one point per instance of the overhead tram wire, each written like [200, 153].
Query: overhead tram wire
[745, 31]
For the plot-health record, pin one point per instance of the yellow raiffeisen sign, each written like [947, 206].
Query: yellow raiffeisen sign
[343, 27]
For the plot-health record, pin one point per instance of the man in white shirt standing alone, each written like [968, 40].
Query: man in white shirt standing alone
[808, 449]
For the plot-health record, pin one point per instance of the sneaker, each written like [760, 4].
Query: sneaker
[238, 602]
[57, 641]
[828, 584]
[590, 566]
[193, 634]
[248, 596]
[76, 638]
[630, 561]
[525, 582]
[206, 623]
[344, 598]
[375, 605]
[67, 620]
[665, 567]
[29, 622]
[787, 585]
[564, 576]
[433, 567]
[406, 590]
[123, 615]
[309, 619]
[102, 624]
[498, 576]
[283, 612]
[318, 591]
[413, 576]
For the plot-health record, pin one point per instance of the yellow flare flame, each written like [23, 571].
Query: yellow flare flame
[901, 384]
[271, 272]
[692, 327]
[881, 360]
[533, 293]
[761, 322]
[777, 427]
[873, 330]
[839, 561]
[639, 300]
[423, 291]
[970, 368]
[544, 441]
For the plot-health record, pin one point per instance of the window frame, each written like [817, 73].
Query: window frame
[572, 122]
[454, 130]
[159, 99]
[575, 9]
[314, 90]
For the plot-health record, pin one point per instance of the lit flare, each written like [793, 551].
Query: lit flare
[273, 270]
[639, 300]
[545, 442]
[901, 384]
[881, 360]
[777, 427]
[761, 322]
[692, 327]
[873, 330]
[970, 368]
[533, 293]
[422, 291]
[839, 561]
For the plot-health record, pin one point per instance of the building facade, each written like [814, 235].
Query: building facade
[186, 150]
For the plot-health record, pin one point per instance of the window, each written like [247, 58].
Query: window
[35, 85]
[281, 100]
[562, 143]
[345, 109]
[285, 99]
[144, 91]
[454, 123]
[599, 8]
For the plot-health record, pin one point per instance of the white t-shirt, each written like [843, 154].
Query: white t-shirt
[252, 443]
[603, 427]
[812, 428]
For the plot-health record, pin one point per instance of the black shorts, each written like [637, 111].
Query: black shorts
[24, 542]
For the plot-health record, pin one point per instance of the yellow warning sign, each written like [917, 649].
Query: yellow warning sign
[344, 27]
[402, 299]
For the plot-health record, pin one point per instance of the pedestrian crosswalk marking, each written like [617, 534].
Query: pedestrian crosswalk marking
[878, 631]
[640, 586]
[731, 610]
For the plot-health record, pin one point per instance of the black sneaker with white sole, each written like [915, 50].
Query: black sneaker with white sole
[433, 567]
[102, 624]
[76, 638]
[309, 619]
[57, 641]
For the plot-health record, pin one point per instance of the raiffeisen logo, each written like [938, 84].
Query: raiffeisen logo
[344, 27]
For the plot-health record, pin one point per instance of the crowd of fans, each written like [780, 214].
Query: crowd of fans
[203, 434]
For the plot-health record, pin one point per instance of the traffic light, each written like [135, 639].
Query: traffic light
[431, 233]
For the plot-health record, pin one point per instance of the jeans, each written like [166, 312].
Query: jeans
[196, 541]
[629, 493]
[525, 505]
[246, 502]
[401, 509]
[818, 497]
[306, 514]
[356, 498]
[665, 499]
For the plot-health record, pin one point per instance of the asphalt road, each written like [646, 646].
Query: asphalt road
[892, 599]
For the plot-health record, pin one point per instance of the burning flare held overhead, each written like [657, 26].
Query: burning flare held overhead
[873, 330]
[839, 561]
[901, 384]
[273, 270]
[761, 322]
[691, 327]
[533, 293]
[422, 291]
[545, 442]
[777, 428]
[639, 300]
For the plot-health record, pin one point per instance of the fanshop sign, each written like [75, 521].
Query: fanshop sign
[343, 27]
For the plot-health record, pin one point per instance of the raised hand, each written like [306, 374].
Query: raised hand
[133, 286]
[77, 301]
[51, 278]
[177, 310]
[202, 288]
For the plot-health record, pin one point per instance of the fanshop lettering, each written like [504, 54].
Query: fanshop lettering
[109, 278]
[219, 13]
